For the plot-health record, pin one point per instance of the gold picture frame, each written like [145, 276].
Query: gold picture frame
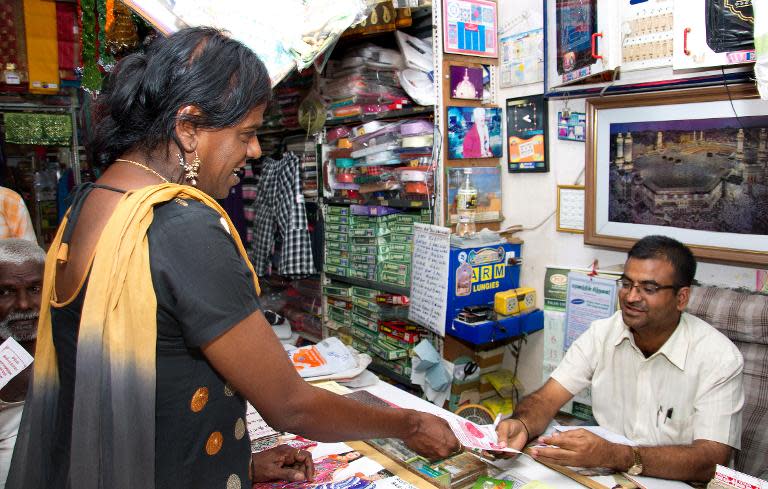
[690, 164]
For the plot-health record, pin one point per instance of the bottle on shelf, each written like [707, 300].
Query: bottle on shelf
[466, 205]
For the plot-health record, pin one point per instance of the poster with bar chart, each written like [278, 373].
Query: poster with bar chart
[470, 28]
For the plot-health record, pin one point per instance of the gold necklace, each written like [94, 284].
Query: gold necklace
[141, 165]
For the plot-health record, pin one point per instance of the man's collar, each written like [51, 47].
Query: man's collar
[675, 348]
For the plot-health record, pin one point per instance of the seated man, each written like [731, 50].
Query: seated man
[659, 376]
[21, 282]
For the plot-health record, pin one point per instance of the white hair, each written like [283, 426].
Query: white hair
[16, 251]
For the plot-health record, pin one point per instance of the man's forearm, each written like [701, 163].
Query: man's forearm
[694, 462]
[535, 413]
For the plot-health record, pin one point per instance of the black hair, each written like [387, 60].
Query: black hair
[199, 66]
[669, 249]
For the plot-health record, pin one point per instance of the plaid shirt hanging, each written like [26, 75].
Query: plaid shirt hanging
[280, 212]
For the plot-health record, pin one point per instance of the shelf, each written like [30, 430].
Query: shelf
[309, 337]
[392, 289]
[396, 203]
[393, 114]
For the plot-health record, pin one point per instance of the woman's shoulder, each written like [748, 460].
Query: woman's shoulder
[183, 210]
[188, 220]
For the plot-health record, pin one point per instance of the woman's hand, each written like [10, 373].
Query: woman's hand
[283, 463]
[431, 436]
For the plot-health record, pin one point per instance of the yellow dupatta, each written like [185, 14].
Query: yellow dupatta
[113, 424]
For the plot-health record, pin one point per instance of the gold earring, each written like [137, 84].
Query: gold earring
[191, 171]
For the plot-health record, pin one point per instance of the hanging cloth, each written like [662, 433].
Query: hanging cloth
[114, 407]
[42, 47]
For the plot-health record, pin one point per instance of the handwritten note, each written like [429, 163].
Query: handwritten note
[13, 359]
[429, 283]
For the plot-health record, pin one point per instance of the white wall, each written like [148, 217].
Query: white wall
[529, 199]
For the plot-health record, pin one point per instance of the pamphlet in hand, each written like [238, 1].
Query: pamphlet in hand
[13, 359]
[473, 435]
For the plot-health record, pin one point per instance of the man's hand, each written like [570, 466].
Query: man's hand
[513, 433]
[431, 437]
[582, 448]
[283, 463]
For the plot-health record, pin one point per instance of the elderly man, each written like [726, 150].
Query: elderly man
[659, 376]
[21, 282]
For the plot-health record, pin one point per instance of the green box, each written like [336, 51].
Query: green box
[387, 350]
[338, 316]
[368, 233]
[405, 248]
[364, 322]
[399, 257]
[337, 290]
[336, 219]
[336, 237]
[401, 228]
[393, 278]
[380, 241]
[364, 292]
[364, 312]
[335, 260]
[394, 267]
[400, 238]
[336, 246]
[363, 267]
[369, 249]
[362, 275]
[336, 270]
[338, 210]
[336, 228]
[364, 334]
[370, 306]
[367, 259]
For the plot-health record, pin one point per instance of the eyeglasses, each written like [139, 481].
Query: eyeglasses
[645, 288]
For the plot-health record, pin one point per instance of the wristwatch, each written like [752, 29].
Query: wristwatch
[637, 466]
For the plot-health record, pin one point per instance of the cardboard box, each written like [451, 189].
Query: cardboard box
[338, 210]
[336, 270]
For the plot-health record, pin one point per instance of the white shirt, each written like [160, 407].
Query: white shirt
[691, 389]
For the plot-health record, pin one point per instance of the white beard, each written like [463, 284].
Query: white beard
[19, 332]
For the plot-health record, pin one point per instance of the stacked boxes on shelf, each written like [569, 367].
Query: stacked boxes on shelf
[374, 322]
[395, 268]
[337, 241]
[338, 311]
[371, 243]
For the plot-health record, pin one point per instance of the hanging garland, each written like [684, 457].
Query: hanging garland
[91, 72]
[106, 60]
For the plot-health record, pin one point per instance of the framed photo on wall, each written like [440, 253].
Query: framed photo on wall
[572, 126]
[570, 208]
[690, 164]
[470, 28]
[474, 132]
[466, 82]
[527, 134]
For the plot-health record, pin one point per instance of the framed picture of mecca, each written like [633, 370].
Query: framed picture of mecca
[690, 164]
